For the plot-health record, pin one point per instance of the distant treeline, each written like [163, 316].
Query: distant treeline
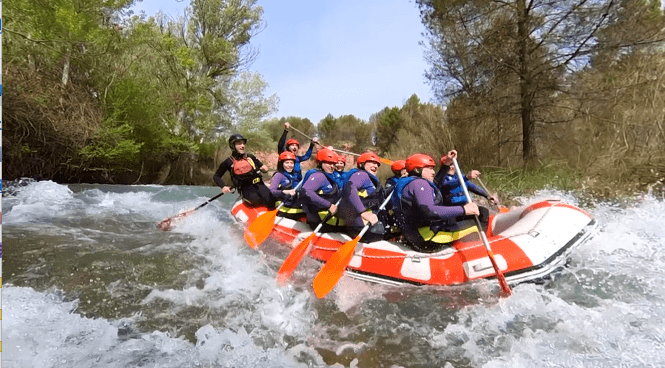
[96, 94]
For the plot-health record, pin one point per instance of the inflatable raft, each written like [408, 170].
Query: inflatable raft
[529, 243]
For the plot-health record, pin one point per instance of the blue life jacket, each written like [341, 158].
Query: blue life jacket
[330, 192]
[288, 182]
[453, 193]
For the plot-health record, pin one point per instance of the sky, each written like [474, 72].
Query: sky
[334, 56]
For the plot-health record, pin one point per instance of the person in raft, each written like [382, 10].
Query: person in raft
[283, 184]
[399, 171]
[292, 145]
[245, 170]
[427, 225]
[453, 194]
[341, 164]
[319, 192]
[362, 195]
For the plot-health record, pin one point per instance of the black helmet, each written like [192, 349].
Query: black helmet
[235, 138]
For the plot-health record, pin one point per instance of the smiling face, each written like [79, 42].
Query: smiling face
[293, 148]
[339, 166]
[288, 165]
[372, 167]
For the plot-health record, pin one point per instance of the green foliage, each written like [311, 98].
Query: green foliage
[521, 181]
[114, 145]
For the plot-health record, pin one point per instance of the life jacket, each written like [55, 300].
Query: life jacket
[330, 193]
[289, 181]
[408, 218]
[454, 194]
[371, 194]
[243, 172]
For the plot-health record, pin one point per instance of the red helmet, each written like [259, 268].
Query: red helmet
[341, 158]
[368, 156]
[286, 155]
[419, 161]
[292, 141]
[327, 155]
[398, 166]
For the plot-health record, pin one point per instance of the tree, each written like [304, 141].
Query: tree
[527, 48]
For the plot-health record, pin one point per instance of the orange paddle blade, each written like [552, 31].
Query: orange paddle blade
[257, 232]
[332, 271]
[386, 161]
[292, 261]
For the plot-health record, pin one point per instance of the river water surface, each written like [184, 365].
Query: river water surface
[90, 281]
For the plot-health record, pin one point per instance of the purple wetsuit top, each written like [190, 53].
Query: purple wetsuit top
[351, 206]
[422, 195]
[311, 201]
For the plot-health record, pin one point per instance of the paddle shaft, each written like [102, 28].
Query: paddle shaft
[209, 200]
[497, 270]
[384, 160]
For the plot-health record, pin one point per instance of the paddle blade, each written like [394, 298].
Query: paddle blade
[257, 232]
[503, 209]
[386, 161]
[292, 261]
[332, 271]
[168, 223]
[499, 275]
[165, 225]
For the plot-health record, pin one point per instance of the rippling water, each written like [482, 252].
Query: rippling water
[89, 280]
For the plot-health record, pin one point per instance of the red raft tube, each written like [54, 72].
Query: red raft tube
[528, 242]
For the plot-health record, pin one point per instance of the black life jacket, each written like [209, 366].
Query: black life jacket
[370, 201]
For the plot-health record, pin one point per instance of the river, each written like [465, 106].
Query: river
[90, 281]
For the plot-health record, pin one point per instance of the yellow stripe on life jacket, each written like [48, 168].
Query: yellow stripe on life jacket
[334, 220]
[290, 210]
[444, 237]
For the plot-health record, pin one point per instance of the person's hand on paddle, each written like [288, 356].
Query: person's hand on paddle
[493, 199]
[473, 174]
[264, 168]
[315, 140]
[369, 217]
[447, 159]
[227, 190]
[471, 209]
[287, 126]
[333, 208]
[289, 192]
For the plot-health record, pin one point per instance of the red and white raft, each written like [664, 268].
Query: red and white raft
[529, 243]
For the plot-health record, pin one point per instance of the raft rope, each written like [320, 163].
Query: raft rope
[451, 250]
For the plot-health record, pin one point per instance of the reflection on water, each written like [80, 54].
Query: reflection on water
[89, 280]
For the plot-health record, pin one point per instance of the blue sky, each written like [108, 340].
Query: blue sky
[334, 56]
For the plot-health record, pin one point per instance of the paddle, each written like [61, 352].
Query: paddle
[257, 232]
[166, 224]
[296, 255]
[383, 160]
[501, 208]
[332, 271]
[499, 275]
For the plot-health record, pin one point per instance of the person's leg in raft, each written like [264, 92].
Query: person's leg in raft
[258, 195]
